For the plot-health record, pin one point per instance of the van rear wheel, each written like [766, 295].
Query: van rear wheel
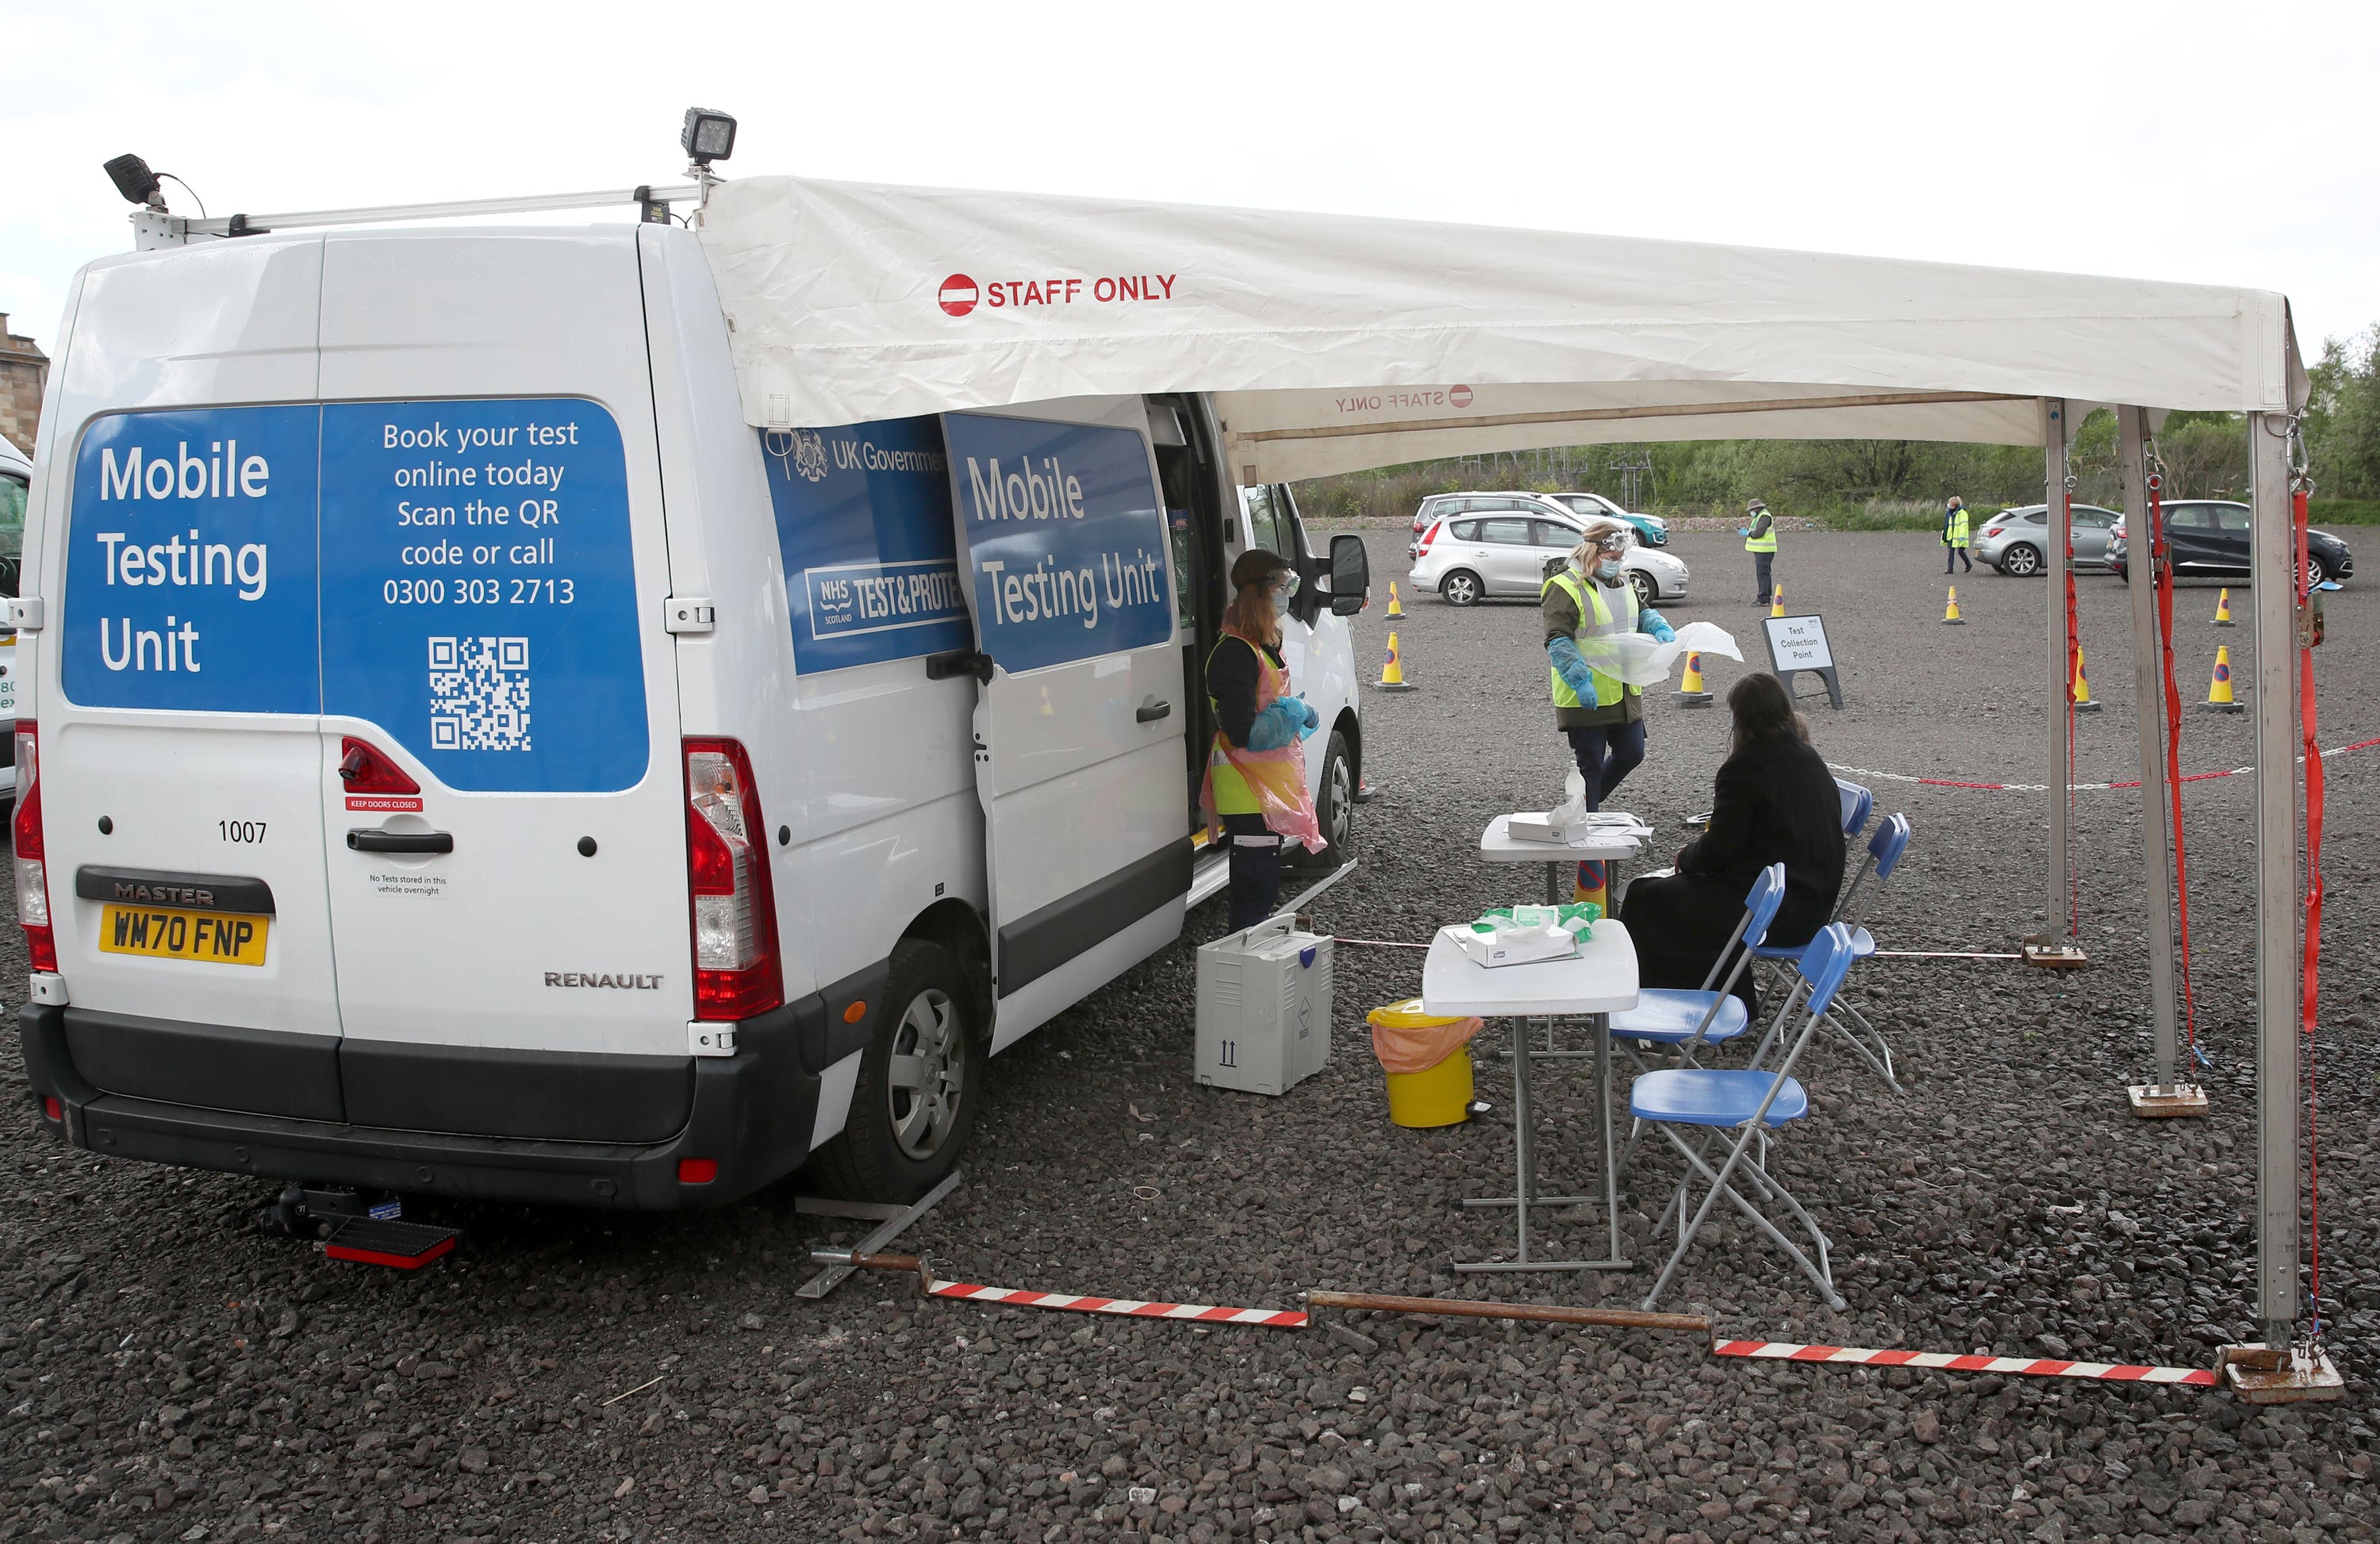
[920, 1082]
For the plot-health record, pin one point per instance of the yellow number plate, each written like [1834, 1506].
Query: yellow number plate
[233, 939]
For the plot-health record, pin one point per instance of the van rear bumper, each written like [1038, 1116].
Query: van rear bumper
[752, 1113]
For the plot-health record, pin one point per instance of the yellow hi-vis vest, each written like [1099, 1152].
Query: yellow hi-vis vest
[1766, 541]
[1954, 532]
[1596, 618]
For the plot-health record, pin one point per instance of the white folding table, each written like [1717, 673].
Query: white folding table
[1600, 981]
[1496, 844]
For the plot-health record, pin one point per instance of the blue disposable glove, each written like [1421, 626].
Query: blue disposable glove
[1277, 725]
[1744, 530]
[1651, 621]
[1313, 719]
[1563, 651]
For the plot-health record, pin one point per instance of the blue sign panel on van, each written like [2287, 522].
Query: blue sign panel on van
[478, 593]
[864, 524]
[190, 563]
[1067, 540]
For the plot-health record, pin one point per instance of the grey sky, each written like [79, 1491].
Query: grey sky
[2211, 142]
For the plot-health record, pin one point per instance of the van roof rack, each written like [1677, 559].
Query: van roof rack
[152, 229]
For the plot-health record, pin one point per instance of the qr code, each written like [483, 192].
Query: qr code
[478, 694]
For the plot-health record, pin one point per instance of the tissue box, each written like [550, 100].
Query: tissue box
[1549, 827]
[1517, 945]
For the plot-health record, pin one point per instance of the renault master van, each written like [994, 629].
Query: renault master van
[459, 756]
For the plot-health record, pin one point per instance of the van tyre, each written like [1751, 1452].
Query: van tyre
[920, 1079]
[1461, 588]
[1334, 809]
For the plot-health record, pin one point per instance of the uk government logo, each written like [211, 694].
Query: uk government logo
[809, 456]
[798, 451]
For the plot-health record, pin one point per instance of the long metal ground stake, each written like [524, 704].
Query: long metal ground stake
[896, 1221]
[1540, 1313]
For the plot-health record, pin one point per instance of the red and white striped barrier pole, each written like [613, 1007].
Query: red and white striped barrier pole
[1204, 1313]
[1126, 1307]
[2023, 1366]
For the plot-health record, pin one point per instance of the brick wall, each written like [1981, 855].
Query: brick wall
[24, 370]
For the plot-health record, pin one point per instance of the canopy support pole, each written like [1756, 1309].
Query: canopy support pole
[2168, 1095]
[2053, 440]
[2272, 562]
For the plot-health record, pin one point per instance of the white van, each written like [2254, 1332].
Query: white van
[461, 756]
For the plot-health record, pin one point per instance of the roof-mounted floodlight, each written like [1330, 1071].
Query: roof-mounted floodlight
[136, 182]
[709, 134]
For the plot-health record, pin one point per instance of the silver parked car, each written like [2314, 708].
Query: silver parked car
[1472, 557]
[2016, 541]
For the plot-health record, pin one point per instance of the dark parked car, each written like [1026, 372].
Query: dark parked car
[2210, 541]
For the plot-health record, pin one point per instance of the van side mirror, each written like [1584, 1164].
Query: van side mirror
[1351, 575]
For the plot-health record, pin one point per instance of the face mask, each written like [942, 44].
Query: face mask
[1608, 571]
[1280, 602]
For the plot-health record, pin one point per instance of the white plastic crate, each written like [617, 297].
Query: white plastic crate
[1264, 1008]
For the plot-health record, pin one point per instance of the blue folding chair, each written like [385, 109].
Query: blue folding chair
[1857, 802]
[1686, 1019]
[1754, 1104]
[1884, 854]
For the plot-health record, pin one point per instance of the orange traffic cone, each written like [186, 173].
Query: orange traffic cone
[1395, 609]
[1777, 601]
[1950, 618]
[1691, 692]
[2223, 609]
[1392, 673]
[2219, 695]
[2082, 704]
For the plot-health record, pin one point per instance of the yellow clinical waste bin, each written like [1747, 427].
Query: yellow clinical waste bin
[1427, 1059]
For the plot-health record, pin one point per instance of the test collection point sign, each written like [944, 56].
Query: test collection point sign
[1799, 643]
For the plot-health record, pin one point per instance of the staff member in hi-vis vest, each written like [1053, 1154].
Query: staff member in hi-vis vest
[1602, 717]
[1954, 536]
[1760, 540]
[1255, 792]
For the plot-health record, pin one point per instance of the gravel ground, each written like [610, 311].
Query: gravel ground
[572, 1375]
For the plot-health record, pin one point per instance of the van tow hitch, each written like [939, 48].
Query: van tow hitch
[352, 1228]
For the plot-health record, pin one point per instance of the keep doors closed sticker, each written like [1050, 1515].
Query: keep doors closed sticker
[474, 594]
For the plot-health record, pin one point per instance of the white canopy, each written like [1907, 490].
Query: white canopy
[1334, 343]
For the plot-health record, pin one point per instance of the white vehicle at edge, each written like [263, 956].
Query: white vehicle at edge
[462, 756]
[15, 480]
[1470, 558]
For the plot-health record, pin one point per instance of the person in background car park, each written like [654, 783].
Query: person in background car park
[1585, 597]
[1254, 790]
[1774, 802]
[1954, 535]
[1760, 540]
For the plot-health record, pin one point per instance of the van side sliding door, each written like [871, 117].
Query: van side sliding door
[1079, 722]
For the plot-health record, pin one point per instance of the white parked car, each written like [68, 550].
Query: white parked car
[1467, 558]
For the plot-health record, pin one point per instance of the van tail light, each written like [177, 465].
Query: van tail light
[33, 876]
[737, 971]
[1429, 536]
[364, 768]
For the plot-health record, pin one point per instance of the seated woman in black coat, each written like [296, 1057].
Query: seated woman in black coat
[1774, 802]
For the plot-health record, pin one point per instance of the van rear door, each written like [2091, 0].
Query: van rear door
[180, 745]
[513, 945]
[1078, 727]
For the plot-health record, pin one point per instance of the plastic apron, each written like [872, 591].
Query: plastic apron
[1275, 779]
